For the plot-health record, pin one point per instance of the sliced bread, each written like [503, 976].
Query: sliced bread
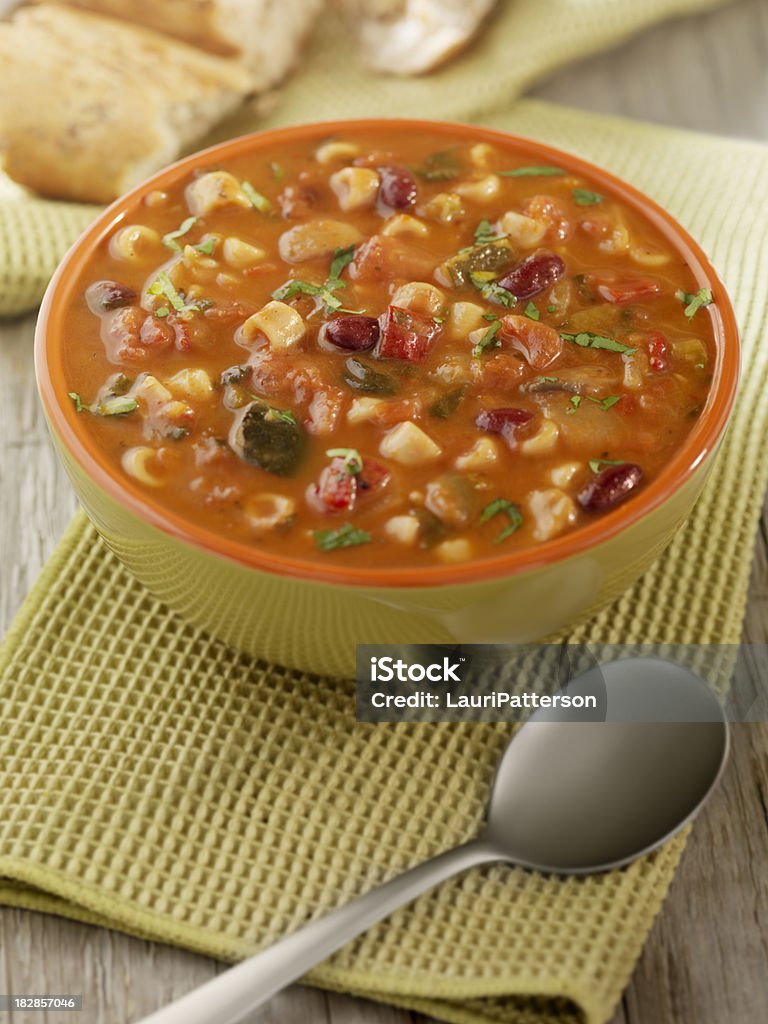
[267, 35]
[91, 106]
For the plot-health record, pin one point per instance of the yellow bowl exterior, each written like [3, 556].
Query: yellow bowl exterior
[314, 625]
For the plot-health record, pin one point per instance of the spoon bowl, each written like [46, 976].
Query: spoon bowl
[576, 797]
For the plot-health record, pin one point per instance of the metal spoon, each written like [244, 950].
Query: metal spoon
[569, 797]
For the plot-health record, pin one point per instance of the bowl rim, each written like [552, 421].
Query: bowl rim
[698, 445]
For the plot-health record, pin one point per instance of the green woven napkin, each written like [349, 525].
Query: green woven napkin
[524, 41]
[155, 781]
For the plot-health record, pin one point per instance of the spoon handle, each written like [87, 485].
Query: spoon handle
[229, 996]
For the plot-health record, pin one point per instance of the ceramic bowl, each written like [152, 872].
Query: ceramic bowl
[309, 616]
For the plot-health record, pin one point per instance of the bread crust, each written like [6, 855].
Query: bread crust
[266, 35]
[90, 106]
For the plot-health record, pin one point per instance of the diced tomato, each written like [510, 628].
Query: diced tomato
[406, 335]
[183, 339]
[539, 343]
[623, 290]
[548, 210]
[120, 333]
[336, 490]
[385, 258]
[324, 410]
[155, 333]
[658, 351]
[372, 478]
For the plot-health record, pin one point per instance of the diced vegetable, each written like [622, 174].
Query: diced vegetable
[268, 438]
[540, 344]
[361, 376]
[406, 335]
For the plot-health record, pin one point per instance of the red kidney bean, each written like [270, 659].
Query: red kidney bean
[102, 296]
[503, 421]
[398, 188]
[495, 420]
[533, 275]
[610, 487]
[353, 333]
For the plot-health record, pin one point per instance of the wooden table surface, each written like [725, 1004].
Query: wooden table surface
[706, 961]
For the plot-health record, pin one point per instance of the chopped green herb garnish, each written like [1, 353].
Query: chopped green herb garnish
[442, 166]
[698, 366]
[532, 172]
[584, 197]
[346, 536]
[490, 316]
[604, 403]
[484, 233]
[532, 312]
[298, 287]
[162, 285]
[551, 309]
[488, 340]
[206, 247]
[484, 280]
[596, 465]
[169, 240]
[353, 460]
[116, 405]
[277, 171]
[693, 303]
[256, 199]
[162, 311]
[341, 259]
[510, 510]
[438, 319]
[273, 415]
[549, 380]
[586, 339]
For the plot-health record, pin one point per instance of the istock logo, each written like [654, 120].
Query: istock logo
[385, 670]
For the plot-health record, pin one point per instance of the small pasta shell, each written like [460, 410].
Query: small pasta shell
[135, 243]
[355, 187]
[213, 191]
[241, 255]
[403, 529]
[648, 256]
[192, 383]
[137, 462]
[280, 324]
[331, 152]
[543, 441]
[481, 191]
[404, 224]
[482, 155]
[419, 296]
[459, 549]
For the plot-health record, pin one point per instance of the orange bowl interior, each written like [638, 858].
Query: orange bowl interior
[49, 341]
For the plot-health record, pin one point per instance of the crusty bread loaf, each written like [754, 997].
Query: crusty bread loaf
[410, 37]
[267, 35]
[90, 106]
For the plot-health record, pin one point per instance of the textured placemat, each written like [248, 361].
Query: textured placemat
[155, 781]
[524, 41]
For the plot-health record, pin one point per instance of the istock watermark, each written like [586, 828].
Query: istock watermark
[506, 683]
